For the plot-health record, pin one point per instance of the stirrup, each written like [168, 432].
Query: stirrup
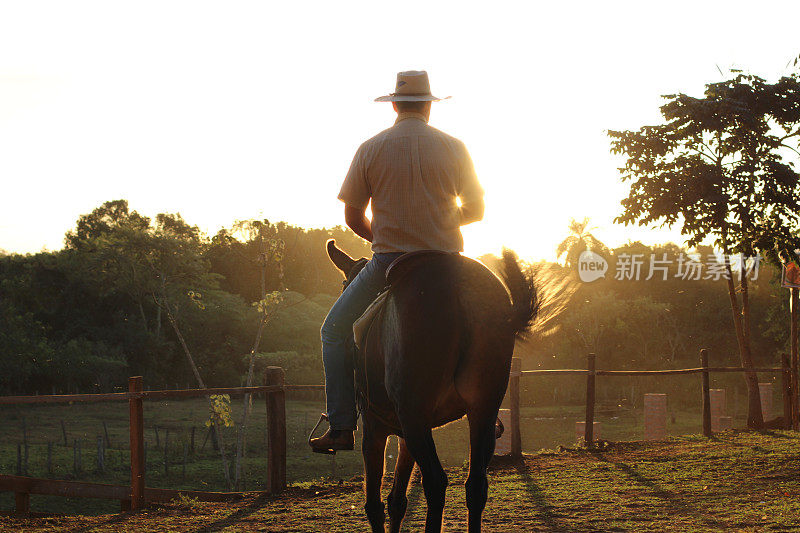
[322, 416]
[499, 428]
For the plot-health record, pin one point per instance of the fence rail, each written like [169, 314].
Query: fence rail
[648, 372]
[22, 485]
[790, 408]
[151, 395]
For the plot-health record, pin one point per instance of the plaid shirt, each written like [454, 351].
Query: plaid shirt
[414, 175]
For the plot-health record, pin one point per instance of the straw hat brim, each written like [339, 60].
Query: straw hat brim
[409, 98]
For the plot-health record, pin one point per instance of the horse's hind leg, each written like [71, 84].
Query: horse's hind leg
[397, 500]
[420, 443]
[481, 449]
[373, 447]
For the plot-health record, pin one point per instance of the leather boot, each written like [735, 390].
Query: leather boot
[333, 440]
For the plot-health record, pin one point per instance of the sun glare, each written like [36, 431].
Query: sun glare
[182, 123]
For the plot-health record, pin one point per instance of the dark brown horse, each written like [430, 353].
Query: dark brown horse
[439, 349]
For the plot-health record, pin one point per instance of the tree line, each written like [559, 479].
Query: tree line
[127, 292]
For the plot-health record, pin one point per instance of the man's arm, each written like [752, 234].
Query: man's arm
[357, 221]
[470, 191]
[355, 194]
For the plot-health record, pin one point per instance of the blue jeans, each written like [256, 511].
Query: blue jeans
[340, 389]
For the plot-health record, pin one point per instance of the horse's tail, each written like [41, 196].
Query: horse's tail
[524, 297]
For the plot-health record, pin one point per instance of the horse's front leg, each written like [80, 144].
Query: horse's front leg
[373, 447]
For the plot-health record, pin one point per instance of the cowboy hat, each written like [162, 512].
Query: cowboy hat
[412, 86]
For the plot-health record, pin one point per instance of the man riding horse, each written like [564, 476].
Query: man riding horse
[422, 187]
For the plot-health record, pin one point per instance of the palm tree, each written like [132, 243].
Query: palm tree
[578, 241]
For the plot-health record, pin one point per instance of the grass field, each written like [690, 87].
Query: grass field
[542, 428]
[737, 481]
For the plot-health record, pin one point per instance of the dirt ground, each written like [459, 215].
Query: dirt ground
[737, 481]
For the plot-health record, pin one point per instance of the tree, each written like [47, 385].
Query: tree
[578, 241]
[113, 243]
[268, 252]
[176, 260]
[22, 341]
[101, 221]
[720, 168]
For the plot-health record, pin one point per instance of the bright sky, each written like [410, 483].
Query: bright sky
[230, 110]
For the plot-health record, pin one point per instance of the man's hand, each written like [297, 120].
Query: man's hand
[357, 221]
[471, 211]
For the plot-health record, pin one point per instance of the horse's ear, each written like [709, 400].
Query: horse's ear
[342, 261]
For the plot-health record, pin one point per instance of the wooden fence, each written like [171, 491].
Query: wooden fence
[137, 494]
[789, 399]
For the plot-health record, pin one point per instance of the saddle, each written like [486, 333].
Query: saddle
[396, 271]
[380, 406]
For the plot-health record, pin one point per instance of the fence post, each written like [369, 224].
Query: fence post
[101, 456]
[105, 431]
[787, 390]
[588, 435]
[76, 456]
[276, 431]
[794, 309]
[166, 452]
[706, 394]
[185, 454]
[22, 503]
[136, 427]
[513, 389]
